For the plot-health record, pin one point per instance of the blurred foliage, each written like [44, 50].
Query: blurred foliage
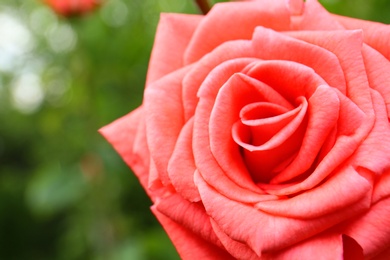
[64, 192]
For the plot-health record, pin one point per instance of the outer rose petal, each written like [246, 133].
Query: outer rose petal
[382, 187]
[189, 245]
[376, 144]
[264, 232]
[347, 46]
[385, 255]
[173, 34]
[181, 167]
[124, 134]
[314, 17]
[162, 99]
[191, 216]
[240, 18]
[371, 230]
[378, 72]
[377, 35]
[271, 45]
[237, 249]
[322, 247]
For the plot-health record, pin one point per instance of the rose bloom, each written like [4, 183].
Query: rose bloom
[264, 133]
[72, 7]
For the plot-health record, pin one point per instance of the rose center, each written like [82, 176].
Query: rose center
[269, 136]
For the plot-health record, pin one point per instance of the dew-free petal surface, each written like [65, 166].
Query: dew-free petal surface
[181, 167]
[173, 34]
[189, 245]
[163, 99]
[377, 35]
[240, 18]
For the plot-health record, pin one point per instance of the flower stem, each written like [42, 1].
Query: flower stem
[203, 5]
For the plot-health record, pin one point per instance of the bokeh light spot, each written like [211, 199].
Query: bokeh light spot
[61, 37]
[15, 41]
[27, 93]
[115, 13]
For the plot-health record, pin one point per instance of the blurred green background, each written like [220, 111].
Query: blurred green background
[64, 192]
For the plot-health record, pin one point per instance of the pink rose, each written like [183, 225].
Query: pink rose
[264, 133]
[72, 7]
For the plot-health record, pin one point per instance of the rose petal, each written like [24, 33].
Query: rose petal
[384, 255]
[371, 230]
[189, 245]
[241, 19]
[173, 34]
[201, 69]
[352, 127]
[264, 232]
[127, 136]
[345, 188]
[284, 129]
[378, 73]
[263, 159]
[323, 112]
[237, 249]
[162, 99]
[296, 7]
[238, 187]
[315, 17]
[271, 45]
[377, 35]
[324, 246]
[235, 93]
[290, 78]
[347, 46]
[382, 187]
[182, 166]
[376, 144]
[190, 216]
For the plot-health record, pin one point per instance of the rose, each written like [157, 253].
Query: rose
[72, 7]
[264, 133]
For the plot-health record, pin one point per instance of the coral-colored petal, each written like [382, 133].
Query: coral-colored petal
[240, 18]
[377, 35]
[377, 143]
[371, 230]
[385, 255]
[347, 46]
[189, 215]
[238, 91]
[162, 99]
[322, 247]
[235, 248]
[291, 79]
[352, 127]
[173, 34]
[382, 187]
[345, 188]
[314, 17]
[323, 112]
[182, 166]
[378, 73]
[201, 69]
[127, 136]
[264, 232]
[228, 183]
[189, 245]
[271, 45]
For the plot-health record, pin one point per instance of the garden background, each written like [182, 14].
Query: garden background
[64, 192]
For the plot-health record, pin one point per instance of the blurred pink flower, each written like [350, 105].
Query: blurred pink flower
[72, 7]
